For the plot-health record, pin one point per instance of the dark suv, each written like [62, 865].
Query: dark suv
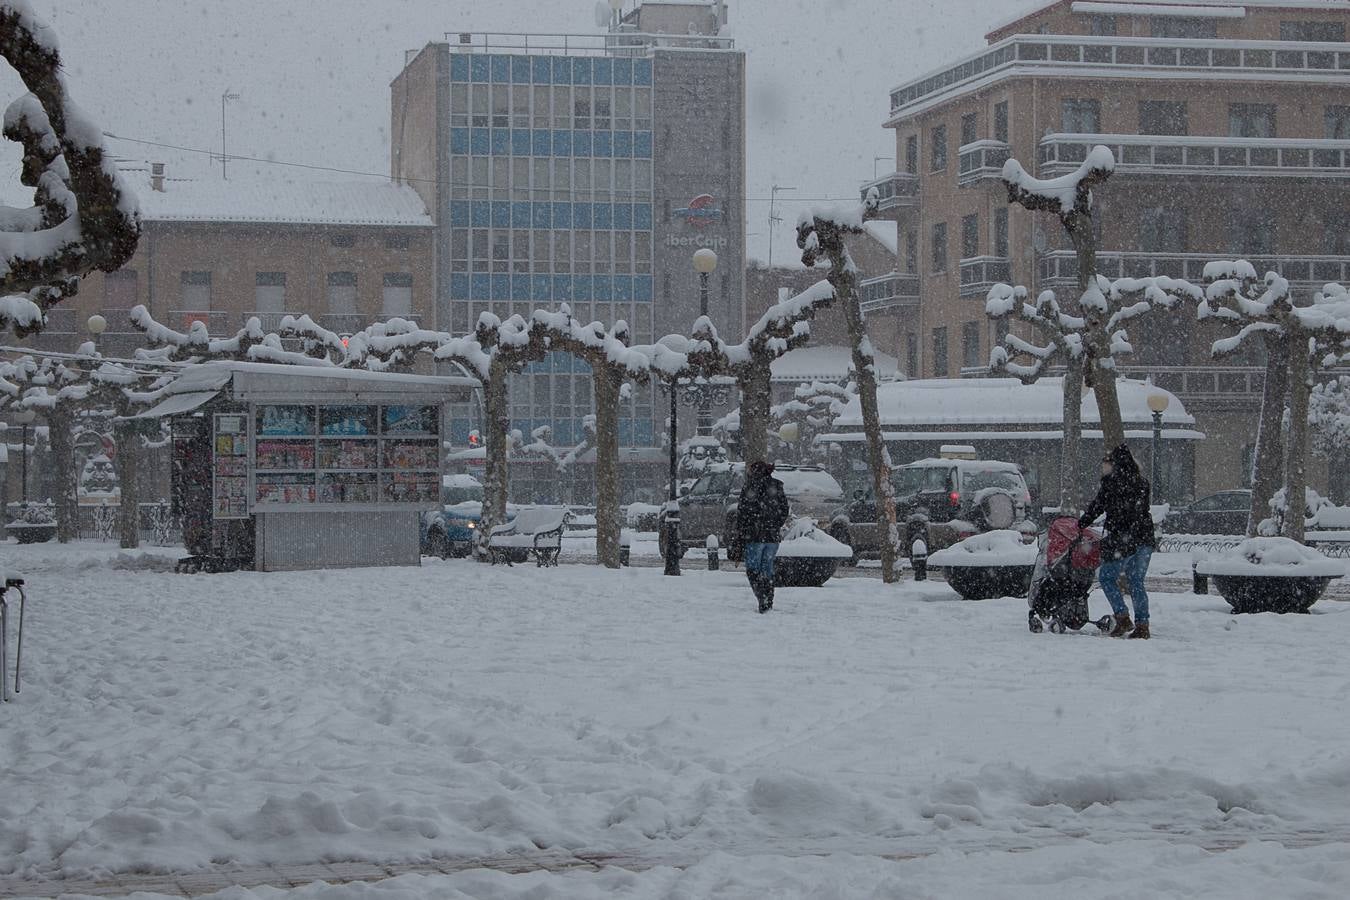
[940, 501]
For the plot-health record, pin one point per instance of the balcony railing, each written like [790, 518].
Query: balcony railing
[895, 190]
[981, 160]
[625, 42]
[1184, 155]
[979, 273]
[217, 321]
[60, 321]
[1060, 267]
[1048, 54]
[889, 291]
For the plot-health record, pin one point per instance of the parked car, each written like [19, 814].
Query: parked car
[710, 506]
[1222, 513]
[449, 531]
[940, 501]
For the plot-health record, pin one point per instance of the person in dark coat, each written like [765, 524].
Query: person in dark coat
[760, 515]
[1124, 496]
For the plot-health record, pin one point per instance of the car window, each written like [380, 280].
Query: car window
[453, 495]
[975, 480]
[909, 482]
[1236, 502]
[1209, 504]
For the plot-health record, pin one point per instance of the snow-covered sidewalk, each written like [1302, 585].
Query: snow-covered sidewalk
[861, 740]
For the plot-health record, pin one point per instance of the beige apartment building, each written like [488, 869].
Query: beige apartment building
[1230, 124]
[347, 254]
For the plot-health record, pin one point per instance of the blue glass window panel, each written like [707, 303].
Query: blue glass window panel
[604, 144]
[562, 70]
[581, 143]
[520, 214]
[540, 288]
[520, 142]
[459, 430]
[478, 68]
[459, 287]
[626, 432]
[642, 144]
[562, 143]
[520, 287]
[623, 71]
[480, 142]
[642, 216]
[562, 215]
[501, 67]
[562, 288]
[481, 215]
[581, 215]
[541, 142]
[603, 71]
[459, 141]
[501, 287]
[520, 69]
[603, 287]
[623, 288]
[642, 288]
[643, 433]
[481, 288]
[459, 68]
[581, 71]
[581, 287]
[623, 144]
[501, 214]
[642, 71]
[562, 432]
[542, 215]
[580, 365]
[623, 216]
[541, 70]
[604, 216]
[501, 142]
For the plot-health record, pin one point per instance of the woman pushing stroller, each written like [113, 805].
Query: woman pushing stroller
[1124, 496]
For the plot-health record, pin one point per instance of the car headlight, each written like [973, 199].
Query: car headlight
[469, 525]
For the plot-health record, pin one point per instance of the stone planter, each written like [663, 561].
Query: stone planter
[988, 582]
[803, 571]
[31, 534]
[988, 565]
[1271, 575]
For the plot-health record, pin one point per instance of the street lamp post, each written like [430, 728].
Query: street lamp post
[1157, 404]
[96, 325]
[705, 262]
[671, 520]
[224, 98]
[25, 418]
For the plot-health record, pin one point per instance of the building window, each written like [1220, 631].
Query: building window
[1324, 32]
[1181, 27]
[194, 291]
[397, 242]
[912, 253]
[1001, 232]
[939, 247]
[1162, 117]
[342, 239]
[970, 126]
[1338, 123]
[912, 355]
[342, 293]
[938, 160]
[970, 236]
[1080, 116]
[397, 299]
[1162, 229]
[1336, 234]
[1001, 121]
[912, 154]
[940, 352]
[269, 292]
[120, 290]
[1102, 26]
[1251, 229]
[970, 345]
[1251, 120]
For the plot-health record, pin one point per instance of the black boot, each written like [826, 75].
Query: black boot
[757, 586]
[768, 591]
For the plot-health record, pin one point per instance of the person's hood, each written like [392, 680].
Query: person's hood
[1123, 462]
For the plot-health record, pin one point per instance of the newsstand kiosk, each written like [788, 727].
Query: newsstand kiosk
[280, 467]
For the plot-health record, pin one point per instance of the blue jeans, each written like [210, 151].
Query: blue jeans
[759, 559]
[1135, 568]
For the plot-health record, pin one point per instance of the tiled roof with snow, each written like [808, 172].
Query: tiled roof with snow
[825, 363]
[285, 202]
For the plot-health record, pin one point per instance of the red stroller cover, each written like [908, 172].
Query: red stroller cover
[1064, 531]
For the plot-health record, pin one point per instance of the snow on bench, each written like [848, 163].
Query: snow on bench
[535, 531]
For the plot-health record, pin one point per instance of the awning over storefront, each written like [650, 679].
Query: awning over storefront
[176, 404]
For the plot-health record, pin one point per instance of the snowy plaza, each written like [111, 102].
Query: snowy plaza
[862, 740]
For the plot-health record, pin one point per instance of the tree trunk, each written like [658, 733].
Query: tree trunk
[755, 396]
[1296, 471]
[607, 383]
[1267, 465]
[128, 441]
[495, 467]
[62, 442]
[1070, 491]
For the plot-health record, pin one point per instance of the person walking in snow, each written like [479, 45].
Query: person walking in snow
[1124, 497]
[760, 516]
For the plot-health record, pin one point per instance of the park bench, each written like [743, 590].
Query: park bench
[533, 532]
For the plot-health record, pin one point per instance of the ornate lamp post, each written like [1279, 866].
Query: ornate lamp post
[25, 418]
[1157, 404]
[705, 263]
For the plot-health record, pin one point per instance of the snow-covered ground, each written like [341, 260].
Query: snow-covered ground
[862, 740]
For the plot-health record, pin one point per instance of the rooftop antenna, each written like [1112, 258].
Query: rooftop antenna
[774, 218]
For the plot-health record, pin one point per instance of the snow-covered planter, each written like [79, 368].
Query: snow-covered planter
[993, 564]
[31, 522]
[1271, 574]
[807, 556]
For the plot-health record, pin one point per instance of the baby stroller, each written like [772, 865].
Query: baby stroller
[1065, 569]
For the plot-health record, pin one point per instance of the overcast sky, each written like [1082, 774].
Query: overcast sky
[313, 78]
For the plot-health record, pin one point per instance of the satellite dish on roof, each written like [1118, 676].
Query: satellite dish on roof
[603, 15]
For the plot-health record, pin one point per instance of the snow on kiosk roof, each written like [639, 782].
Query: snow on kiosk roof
[376, 203]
